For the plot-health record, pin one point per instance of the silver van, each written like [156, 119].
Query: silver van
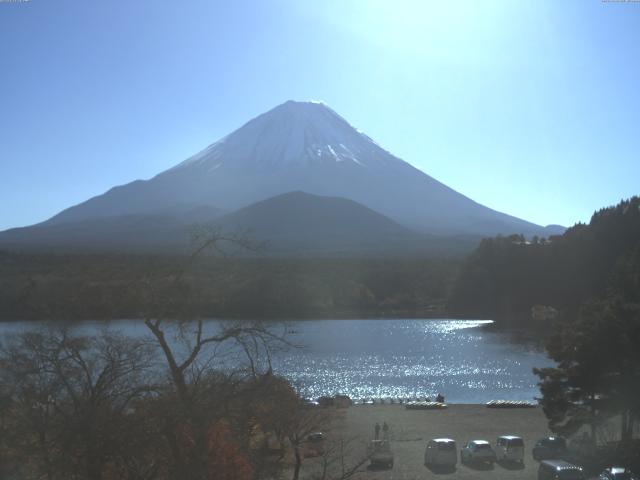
[509, 448]
[441, 452]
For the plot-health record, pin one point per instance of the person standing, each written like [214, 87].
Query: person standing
[385, 431]
[377, 430]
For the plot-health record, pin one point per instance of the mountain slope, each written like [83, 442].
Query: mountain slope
[303, 146]
[294, 223]
[167, 232]
[301, 222]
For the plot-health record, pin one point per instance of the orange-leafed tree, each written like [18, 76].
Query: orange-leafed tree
[226, 460]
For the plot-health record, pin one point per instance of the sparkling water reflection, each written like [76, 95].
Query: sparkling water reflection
[410, 358]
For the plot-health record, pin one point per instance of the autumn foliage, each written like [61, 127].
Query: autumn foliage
[226, 459]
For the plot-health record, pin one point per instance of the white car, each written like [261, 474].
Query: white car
[617, 473]
[441, 452]
[510, 448]
[477, 451]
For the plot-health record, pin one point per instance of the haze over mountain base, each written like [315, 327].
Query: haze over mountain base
[300, 178]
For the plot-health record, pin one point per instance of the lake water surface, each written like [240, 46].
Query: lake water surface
[400, 358]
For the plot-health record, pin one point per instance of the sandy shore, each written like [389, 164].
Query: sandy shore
[411, 429]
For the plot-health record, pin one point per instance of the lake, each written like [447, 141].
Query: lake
[462, 359]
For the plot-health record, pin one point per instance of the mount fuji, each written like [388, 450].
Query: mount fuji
[295, 147]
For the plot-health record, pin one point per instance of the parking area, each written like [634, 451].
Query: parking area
[410, 430]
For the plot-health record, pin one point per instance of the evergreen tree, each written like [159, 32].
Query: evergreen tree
[598, 369]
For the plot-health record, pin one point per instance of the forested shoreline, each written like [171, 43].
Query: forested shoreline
[506, 279]
[80, 287]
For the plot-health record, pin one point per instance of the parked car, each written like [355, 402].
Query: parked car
[314, 445]
[477, 451]
[326, 401]
[342, 401]
[510, 448]
[380, 453]
[559, 470]
[548, 448]
[617, 473]
[441, 452]
[310, 404]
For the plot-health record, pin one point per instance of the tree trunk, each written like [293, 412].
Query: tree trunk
[626, 427]
[179, 467]
[592, 424]
[298, 464]
[177, 375]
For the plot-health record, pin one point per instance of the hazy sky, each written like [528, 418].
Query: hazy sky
[529, 107]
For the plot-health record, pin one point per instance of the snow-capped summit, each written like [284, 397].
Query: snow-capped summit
[302, 146]
[294, 133]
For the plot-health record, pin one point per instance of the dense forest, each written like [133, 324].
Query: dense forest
[119, 286]
[506, 277]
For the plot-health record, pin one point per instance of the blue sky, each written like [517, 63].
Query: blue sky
[531, 108]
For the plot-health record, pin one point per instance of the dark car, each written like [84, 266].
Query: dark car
[380, 454]
[314, 445]
[549, 448]
[559, 470]
[617, 473]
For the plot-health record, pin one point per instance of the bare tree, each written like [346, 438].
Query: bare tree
[71, 400]
[103, 407]
[343, 458]
[300, 424]
[253, 337]
[190, 348]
